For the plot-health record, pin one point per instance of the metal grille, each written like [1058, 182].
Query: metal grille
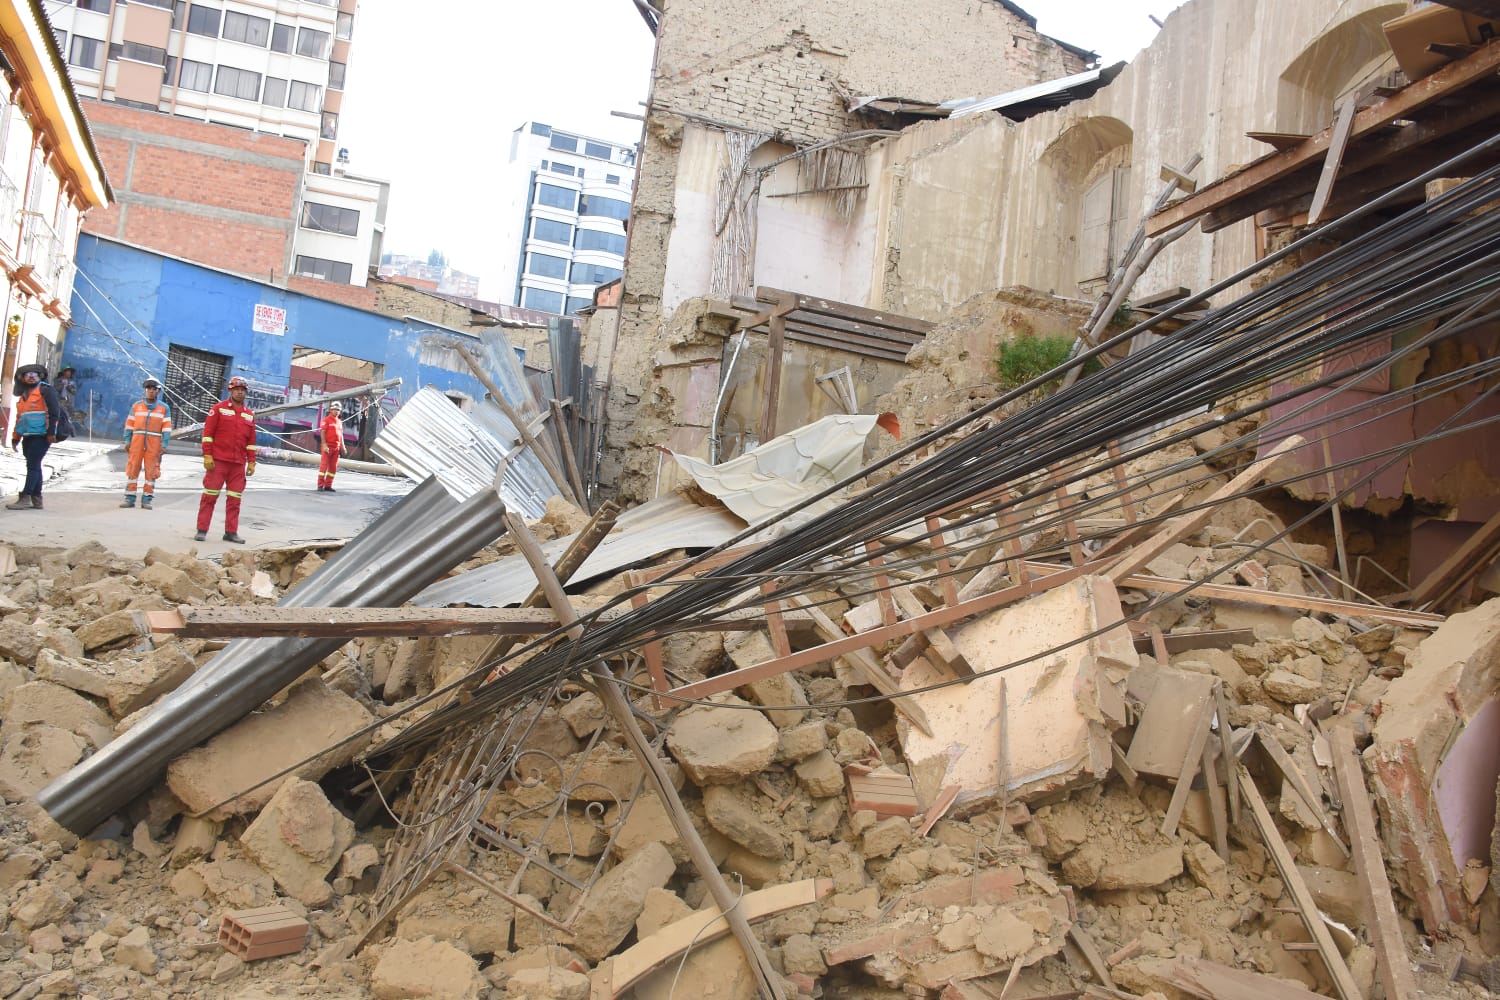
[195, 382]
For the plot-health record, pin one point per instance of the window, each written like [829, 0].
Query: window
[537, 128]
[546, 265]
[274, 92]
[234, 82]
[540, 298]
[86, 53]
[319, 167]
[595, 239]
[246, 28]
[611, 178]
[179, 14]
[281, 37]
[100, 5]
[345, 26]
[311, 42]
[565, 143]
[163, 4]
[597, 150]
[302, 96]
[576, 302]
[196, 76]
[556, 197]
[336, 75]
[330, 127]
[564, 168]
[593, 274]
[136, 52]
[610, 208]
[330, 218]
[552, 232]
[203, 21]
[328, 270]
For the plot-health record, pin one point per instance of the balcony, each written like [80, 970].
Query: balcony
[10, 208]
[50, 261]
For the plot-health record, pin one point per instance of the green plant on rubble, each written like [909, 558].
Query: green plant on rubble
[1028, 356]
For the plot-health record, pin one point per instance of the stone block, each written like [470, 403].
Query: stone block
[886, 837]
[107, 630]
[297, 839]
[801, 742]
[40, 702]
[821, 775]
[610, 909]
[33, 757]
[721, 746]
[550, 983]
[311, 719]
[1145, 872]
[18, 642]
[85, 678]
[172, 583]
[733, 814]
[134, 952]
[425, 968]
[141, 683]
[472, 918]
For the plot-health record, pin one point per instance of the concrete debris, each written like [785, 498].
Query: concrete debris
[426, 968]
[298, 838]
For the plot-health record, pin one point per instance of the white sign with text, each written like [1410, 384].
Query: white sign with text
[269, 319]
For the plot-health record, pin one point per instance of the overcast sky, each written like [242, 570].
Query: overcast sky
[431, 100]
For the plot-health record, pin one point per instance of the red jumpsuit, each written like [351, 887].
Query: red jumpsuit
[331, 433]
[229, 439]
[147, 431]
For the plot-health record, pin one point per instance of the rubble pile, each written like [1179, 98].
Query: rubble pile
[1024, 833]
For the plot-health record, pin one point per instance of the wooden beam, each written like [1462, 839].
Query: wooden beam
[1449, 79]
[775, 345]
[1392, 963]
[1299, 783]
[812, 303]
[617, 975]
[1185, 524]
[1291, 878]
[1337, 143]
[332, 623]
[1190, 765]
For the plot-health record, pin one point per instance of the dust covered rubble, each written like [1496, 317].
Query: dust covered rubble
[135, 907]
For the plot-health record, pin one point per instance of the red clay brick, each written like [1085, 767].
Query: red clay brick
[262, 932]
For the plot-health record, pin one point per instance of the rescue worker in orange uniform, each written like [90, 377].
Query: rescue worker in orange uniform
[228, 457]
[331, 433]
[148, 431]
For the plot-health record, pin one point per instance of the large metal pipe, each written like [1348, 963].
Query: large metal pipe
[414, 543]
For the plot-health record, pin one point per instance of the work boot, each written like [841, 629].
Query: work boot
[328, 489]
[145, 503]
[199, 536]
[23, 502]
[129, 500]
[230, 536]
[36, 501]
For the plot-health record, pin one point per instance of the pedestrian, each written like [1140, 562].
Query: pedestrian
[148, 431]
[37, 414]
[332, 435]
[67, 389]
[228, 457]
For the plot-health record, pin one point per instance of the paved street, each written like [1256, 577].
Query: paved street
[86, 482]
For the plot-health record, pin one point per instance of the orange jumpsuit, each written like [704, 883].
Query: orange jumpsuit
[331, 433]
[148, 430]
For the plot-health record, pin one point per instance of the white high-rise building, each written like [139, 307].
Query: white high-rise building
[276, 68]
[565, 203]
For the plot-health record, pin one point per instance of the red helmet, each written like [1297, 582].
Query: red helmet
[238, 382]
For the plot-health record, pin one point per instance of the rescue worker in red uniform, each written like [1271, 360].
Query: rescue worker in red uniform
[228, 457]
[331, 433]
[148, 430]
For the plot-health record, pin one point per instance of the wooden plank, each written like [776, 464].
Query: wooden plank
[1163, 737]
[1185, 524]
[1064, 505]
[1091, 954]
[655, 665]
[1183, 642]
[775, 348]
[1291, 877]
[811, 303]
[1226, 742]
[940, 648]
[1190, 765]
[1337, 143]
[1449, 79]
[944, 565]
[1299, 783]
[1279, 140]
[938, 809]
[1212, 981]
[1392, 962]
[1462, 564]
[1216, 815]
[219, 622]
[638, 961]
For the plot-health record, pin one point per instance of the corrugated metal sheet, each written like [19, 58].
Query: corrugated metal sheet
[429, 436]
[787, 469]
[642, 533]
[1033, 92]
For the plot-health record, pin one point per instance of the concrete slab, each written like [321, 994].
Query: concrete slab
[1060, 707]
[281, 507]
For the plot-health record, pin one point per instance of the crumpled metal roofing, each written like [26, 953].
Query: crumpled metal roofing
[641, 533]
[787, 469]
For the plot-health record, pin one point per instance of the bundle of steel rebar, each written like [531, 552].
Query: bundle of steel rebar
[1429, 270]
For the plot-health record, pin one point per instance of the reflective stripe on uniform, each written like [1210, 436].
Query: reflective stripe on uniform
[211, 493]
[234, 494]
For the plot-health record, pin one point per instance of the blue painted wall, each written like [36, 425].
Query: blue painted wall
[130, 305]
